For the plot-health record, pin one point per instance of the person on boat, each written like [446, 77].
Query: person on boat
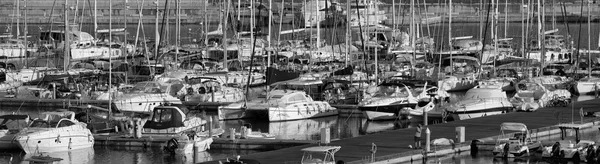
[418, 137]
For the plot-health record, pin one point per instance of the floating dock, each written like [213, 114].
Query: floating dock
[393, 146]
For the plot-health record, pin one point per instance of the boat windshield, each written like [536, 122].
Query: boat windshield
[395, 91]
[483, 94]
[316, 157]
[146, 88]
[8, 123]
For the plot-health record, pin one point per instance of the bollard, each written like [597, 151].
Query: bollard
[243, 131]
[427, 140]
[460, 134]
[325, 136]
[138, 128]
[210, 128]
[232, 133]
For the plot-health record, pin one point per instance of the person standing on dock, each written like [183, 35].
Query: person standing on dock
[418, 137]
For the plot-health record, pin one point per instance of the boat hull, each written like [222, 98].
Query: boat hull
[6, 141]
[281, 114]
[388, 108]
[477, 113]
[455, 86]
[588, 88]
[61, 141]
[379, 116]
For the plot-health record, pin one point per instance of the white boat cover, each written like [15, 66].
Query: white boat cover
[513, 126]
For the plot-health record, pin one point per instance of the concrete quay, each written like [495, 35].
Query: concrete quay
[393, 146]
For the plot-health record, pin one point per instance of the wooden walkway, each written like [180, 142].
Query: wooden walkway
[397, 141]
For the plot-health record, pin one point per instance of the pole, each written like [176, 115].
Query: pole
[589, 40]
[205, 22]
[109, 56]
[224, 28]
[25, 33]
[18, 18]
[67, 42]
[348, 35]
[156, 34]
[177, 30]
[318, 25]
[450, 34]
[96, 18]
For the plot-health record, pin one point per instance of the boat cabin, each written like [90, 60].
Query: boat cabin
[319, 155]
[14, 122]
[55, 120]
[164, 117]
[519, 131]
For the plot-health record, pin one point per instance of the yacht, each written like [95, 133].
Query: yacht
[141, 97]
[83, 45]
[280, 105]
[386, 101]
[315, 11]
[170, 121]
[11, 47]
[461, 73]
[588, 86]
[57, 131]
[368, 13]
[202, 89]
[10, 126]
[480, 101]
[514, 141]
[531, 95]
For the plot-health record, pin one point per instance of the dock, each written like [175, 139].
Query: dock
[395, 144]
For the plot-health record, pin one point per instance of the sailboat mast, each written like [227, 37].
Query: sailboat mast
[270, 22]
[589, 39]
[96, 18]
[318, 24]
[137, 32]
[348, 35]
[450, 33]
[25, 32]
[177, 29]
[156, 33]
[412, 24]
[19, 18]
[125, 8]
[224, 28]
[67, 42]
[506, 19]
[109, 55]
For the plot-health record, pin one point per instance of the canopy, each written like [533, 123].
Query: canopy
[322, 149]
[512, 126]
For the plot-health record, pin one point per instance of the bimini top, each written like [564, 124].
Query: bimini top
[322, 149]
[513, 126]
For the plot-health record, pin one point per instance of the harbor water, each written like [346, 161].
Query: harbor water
[341, 127]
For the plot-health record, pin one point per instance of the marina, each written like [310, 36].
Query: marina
[299, 81]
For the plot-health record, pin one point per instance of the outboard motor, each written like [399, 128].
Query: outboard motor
[474, 148]
[172, 145]
[556, 150]
[505, 150]
[591, 154]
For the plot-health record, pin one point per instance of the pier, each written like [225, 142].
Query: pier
[394, 145]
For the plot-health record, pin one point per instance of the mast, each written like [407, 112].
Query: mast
[156, 34]
[224, 28]
[137, 32]
[109, 55]
[18, 19]
[542, 34]
[589, 40]
[67, 42]
[412, 25]
[25, 32]
[506, 19]
[96, 18]
[205, 22]
[450, 33]
[318, 25]
[177, 30]
[125, 8]
[270, 28]
[252, 21]
[348, 35]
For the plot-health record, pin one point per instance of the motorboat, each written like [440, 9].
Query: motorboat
[305, 129]
[569, 149]
[365, 13]
[202, 89]
[460, 73]
[386, 101]
[278, 105]
[530, 96]
[10, 126]
[517, 144]
[142, 97]
[319, 155]
[588, 86]
[172, 122]
[429, 105]
[479, 102]
[57, 131]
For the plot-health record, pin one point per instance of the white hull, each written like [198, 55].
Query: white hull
[13, 52]
[456, 85]
[588, 88]
[140, 103]
[373, 115]
[282, 114]
[465, 116]
[95, 53]
[56, 140]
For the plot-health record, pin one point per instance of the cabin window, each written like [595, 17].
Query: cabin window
[39, 124]
[297, 97]
[162, 115]
[65, 123]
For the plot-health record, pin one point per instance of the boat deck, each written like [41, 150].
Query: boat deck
[396, 142]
